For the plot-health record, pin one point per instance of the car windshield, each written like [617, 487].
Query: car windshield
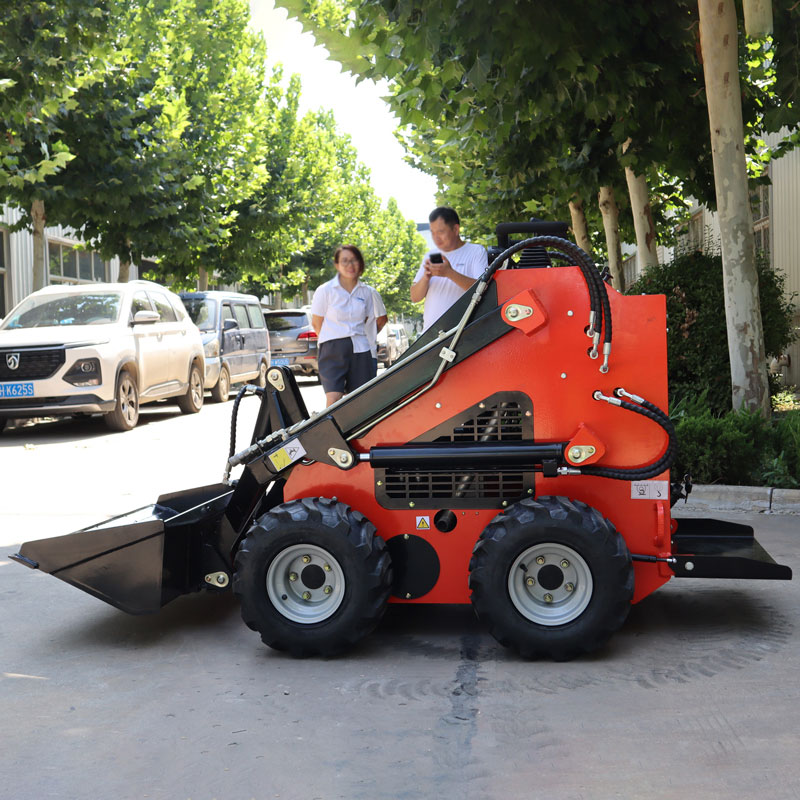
[203, 312]
[285, 322]
[40, 311]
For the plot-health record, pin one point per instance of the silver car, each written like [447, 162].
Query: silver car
[99, 348]
[293, 340]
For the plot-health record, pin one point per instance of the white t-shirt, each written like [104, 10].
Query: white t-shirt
[470, 260]
[344, 314]
[378, 310]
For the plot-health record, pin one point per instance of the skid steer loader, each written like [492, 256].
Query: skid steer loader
[509, 459]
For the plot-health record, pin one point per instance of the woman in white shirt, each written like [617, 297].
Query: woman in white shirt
[340, 312]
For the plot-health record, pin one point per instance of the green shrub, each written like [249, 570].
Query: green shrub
[697, 337]
[738, 448]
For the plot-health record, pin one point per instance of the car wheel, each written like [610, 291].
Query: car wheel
[192, 401]
[551, 578]
[222, 388]
[312, 577]
[126, 411]
[261, 380]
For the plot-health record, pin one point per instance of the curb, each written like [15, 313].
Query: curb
[761, 499]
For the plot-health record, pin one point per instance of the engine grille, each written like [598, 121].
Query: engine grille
[32, 363]
[500, 418]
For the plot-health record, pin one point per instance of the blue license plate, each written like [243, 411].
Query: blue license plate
[280, 362]
[16, 389]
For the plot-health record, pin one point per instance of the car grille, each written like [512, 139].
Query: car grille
[33, 363]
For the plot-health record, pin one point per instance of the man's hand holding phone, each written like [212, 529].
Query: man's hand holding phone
[437, 265]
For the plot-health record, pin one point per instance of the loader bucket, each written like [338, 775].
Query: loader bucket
[141, 560]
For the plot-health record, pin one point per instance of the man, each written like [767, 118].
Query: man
[440, 284]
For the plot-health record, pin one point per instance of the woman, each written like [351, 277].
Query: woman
[344, 313]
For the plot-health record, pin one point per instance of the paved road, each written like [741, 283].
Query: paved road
[696, 697]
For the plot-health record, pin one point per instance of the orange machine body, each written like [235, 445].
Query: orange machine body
[545, 357]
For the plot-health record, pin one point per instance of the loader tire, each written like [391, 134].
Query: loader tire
[551, 578]
[312, 577]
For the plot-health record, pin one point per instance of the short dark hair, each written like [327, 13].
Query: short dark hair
[445, 213]
[355, 251]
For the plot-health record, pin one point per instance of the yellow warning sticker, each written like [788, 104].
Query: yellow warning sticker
[423, 523]
[287, 455]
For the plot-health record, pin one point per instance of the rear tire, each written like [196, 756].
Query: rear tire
[221, 390]
[261, 380]
[192, 401]
[126, 411]
[551, 578]
[312, 577]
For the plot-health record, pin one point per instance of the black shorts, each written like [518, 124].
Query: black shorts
[342, 370]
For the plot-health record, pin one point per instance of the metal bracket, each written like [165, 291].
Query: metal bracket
[579, 453]
[219, 580]
[516, 311]
[342, 458]
[275, 378]
[447, 354]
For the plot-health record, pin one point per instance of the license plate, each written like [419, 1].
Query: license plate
[280, 362]
[16, 389]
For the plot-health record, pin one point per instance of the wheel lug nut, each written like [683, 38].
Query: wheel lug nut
[327, 568]
[564, 563]
[530, 582]
[548, 598]
[569, 587]
[306, 559]
[328, 589]
[540, 560]
[306, 595]
[292, 576]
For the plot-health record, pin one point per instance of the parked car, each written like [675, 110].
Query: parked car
[294, 341]
[99, 348]
[392, 343]
[235, 339]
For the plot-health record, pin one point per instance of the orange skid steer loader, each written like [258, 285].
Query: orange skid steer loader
[508, 459]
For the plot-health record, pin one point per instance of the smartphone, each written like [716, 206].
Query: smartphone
[436, 258]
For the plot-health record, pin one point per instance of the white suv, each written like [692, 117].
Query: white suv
[99, 348]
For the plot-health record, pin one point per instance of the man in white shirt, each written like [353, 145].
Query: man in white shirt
[440, 284]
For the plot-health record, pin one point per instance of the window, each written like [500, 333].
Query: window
[140, 303]
[3, 273]
[241, 315]
[69, 265]
[696, 232]
[759, 205]
[256, 317]
[162, 305]
[227, 312]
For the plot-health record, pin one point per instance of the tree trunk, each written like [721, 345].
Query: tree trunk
[579, 229]
[202, 280]
[39, 220]
[758, 18]
[718, 40]
[646, 253]
[610, 212]
[305, 291]
[124, 271]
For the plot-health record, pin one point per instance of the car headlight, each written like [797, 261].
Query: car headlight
[85, 372]
[211, 348]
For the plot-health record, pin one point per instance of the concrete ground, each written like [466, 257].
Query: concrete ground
[697, 696]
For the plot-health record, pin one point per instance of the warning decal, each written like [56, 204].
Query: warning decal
[288, 454]
[649, 490]
[423, 523]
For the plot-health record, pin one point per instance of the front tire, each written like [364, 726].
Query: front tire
[551, 578]
[192, 401]
[312, 577]
[126, 411]
[221, 390]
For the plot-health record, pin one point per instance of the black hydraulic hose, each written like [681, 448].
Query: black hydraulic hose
[664, 462]
[246, 389]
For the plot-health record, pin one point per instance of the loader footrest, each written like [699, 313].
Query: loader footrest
[713, 548]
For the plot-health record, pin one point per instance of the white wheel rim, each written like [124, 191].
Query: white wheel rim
[550, 584]
[305, 583]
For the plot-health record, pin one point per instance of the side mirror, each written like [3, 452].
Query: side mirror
[229, 324]
[146, 317]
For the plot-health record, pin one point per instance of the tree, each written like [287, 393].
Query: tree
[50, 52]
